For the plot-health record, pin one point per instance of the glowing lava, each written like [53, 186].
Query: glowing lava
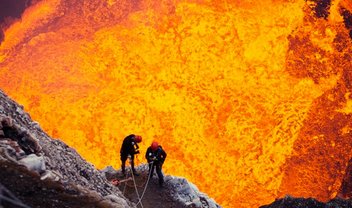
[243, 95]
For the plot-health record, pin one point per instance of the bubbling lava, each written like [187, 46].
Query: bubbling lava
[250, 99]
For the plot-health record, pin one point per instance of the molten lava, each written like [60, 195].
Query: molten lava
[250, 99]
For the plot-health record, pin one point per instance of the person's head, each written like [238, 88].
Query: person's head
[154, 146]
[138, 138]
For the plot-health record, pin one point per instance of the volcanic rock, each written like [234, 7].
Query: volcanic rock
[38, 171]
[177, 191]
[346, 185]
[342, 200]
[291, 202]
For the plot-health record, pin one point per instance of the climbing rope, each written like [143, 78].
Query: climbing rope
[14, 202]
[146, 184]
[11, 199]
[139, 186]
[135, 185]
[124, 187]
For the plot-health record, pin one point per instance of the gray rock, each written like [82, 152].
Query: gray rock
[176, 191]
[117, 200]
[52, 175]
[67, 172]
[188, 194]
[36, 124]
[109, 172]
[33, 163]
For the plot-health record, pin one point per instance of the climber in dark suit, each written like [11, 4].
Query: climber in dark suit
[156, 156]
[129, 148]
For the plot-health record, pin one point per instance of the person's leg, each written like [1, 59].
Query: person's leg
[123, 163]
[132, 166]
[151, 170]
[160, 174]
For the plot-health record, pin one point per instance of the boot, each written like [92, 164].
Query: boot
[135, 173]
[134, 170]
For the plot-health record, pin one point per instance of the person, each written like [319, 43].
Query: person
[156, 156]
[128, 149]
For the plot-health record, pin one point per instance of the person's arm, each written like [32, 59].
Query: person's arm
[136, 148]
[146, 155]
[163, 155]
[149, 155]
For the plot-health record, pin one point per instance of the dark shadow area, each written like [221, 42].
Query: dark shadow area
[10, 10]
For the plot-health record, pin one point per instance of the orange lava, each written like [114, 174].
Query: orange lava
[245, 96]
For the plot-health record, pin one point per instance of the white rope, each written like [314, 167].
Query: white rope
[124, 187]
[145, 187]
[12, 198]
[14, 202]
[135, 186]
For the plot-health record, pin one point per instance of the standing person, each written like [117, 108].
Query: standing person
[156, 156]
[129, 148]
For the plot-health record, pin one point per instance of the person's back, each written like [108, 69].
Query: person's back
[129, 147]
[128, 144]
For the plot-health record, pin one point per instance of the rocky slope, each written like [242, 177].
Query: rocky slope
[43, 172]
[38, 171]
[290, 202]
[176, 193]
[342, 199]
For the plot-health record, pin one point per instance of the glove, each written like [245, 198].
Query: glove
[115, 182]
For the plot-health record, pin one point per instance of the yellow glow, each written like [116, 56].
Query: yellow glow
[224, 87]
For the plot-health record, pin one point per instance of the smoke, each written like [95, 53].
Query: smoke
[10, 11]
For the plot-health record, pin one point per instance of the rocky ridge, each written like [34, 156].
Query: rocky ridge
[44, 172]
[292, 202]
[177, 192]
[38, 171]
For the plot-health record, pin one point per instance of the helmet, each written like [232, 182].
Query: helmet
[154, 146]
[138, 138]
